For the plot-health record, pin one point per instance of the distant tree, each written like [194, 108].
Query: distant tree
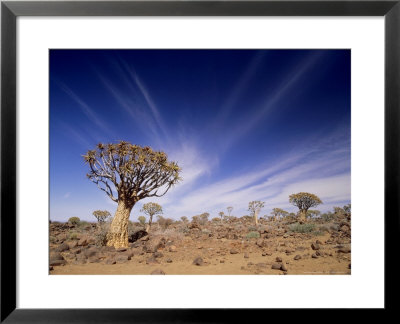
[74, 220]
[347, 208]
[184, 219]
[254, 208]
[221, 214]
[151, 209]
[230, 208]
[142, 220]
[311, 213]
[204, 218]
[304, 201]
[101, 215]
[278, 213]
[196, 219]
[128, 173]
[164, 222]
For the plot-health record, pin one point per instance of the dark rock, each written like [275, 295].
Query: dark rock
[63, 247]
[169, 260]
[297, 257]
[158, 254]
[137, 235]
[246, 255]
[284, 267]
[315, 246]
[233, 251]
[198, 261]
[90, 252]
[314, 256]
[57, 262]
[344, 250]
[121, 249]
[56, 256]
[278, 259]
[276, 266]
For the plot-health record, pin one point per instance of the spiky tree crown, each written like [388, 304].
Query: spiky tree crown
[132, 171]
[304, 200]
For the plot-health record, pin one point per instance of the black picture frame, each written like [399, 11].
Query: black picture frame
[10, 10]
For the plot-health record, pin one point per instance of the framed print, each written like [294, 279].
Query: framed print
[230, 146]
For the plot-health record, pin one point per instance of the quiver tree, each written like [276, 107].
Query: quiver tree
[101, 215]
[229, 209]
[278, 213]
[311, 213]
[304, 201]
[128, 173]
[254, 208]
[221, 214]
[151, 209]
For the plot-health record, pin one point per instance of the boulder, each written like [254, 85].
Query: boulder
[315, 246]
[63, 247]
[198, 261]
[276, 266]
[344, 250]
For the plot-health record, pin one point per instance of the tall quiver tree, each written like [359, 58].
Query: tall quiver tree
[254, 208]
[128, 173]
[304, 201]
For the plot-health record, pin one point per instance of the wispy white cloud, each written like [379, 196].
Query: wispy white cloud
[270, 104]
[325, 173]
[86, 110]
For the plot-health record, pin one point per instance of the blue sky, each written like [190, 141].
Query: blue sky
[243, 124]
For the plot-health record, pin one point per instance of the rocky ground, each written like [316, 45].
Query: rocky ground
[226, 247]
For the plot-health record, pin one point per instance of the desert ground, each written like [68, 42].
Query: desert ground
[230, 246]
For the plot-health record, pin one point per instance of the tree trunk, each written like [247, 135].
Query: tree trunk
[302, 215]
[256, 217]
[118, 234]
[150, 220]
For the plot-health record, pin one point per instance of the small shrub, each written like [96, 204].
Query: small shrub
[317, 233]
[301, 228]
[253, 235]
[102, 233]
[142, 220]
[73, 236]
[327, 217]
[74, 220]
[252, 228]
[53, 239]
[83, 224]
